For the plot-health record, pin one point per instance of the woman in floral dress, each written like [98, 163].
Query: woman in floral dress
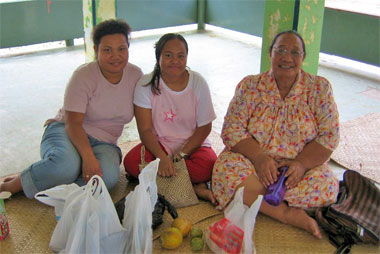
[282, 117]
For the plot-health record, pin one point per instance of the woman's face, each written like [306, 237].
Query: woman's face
[173, 58]
[112, 54]
[287, 56]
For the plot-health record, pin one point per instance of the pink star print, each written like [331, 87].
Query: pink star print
[169, 115]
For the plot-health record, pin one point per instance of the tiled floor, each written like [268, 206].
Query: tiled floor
[32, 86]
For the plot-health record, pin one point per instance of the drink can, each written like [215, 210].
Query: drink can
[4, 226]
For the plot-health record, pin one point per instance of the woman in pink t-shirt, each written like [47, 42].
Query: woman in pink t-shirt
[81, 140]
[174, 115]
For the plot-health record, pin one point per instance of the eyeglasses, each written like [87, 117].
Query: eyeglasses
[283, 52]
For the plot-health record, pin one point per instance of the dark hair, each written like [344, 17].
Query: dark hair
[288, 32]
[111, 26]
[154, 82]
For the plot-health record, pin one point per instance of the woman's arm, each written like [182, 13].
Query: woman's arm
[312, 155]
[145, 128]
[79, 138]
[236, 135]
[318, 151]
[265, 166]
[197, 139]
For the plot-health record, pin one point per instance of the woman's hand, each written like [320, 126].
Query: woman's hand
[166, 167]
[79, 138]
[266, 169]
[295, 173]
[90, 167]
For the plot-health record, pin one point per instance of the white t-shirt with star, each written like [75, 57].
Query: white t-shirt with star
[176, 115]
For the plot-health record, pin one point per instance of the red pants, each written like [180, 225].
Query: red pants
[199, 164]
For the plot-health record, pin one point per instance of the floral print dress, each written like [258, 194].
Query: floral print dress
[282, 128]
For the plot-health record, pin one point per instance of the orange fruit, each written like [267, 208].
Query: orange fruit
[171, 238]
[183, 225]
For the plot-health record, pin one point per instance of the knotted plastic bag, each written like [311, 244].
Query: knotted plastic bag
[139, 205]
[233, 233]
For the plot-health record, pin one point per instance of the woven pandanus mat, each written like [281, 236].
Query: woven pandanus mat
[359, 147]
[270, 236]
[32, 224]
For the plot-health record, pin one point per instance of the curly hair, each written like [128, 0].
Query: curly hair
[111, 26]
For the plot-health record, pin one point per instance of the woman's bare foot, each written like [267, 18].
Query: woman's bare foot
[204, 193]
[11, 184]
[299, 218]
[293, 216]
[9, 178]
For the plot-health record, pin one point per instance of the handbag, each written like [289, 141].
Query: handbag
[178, 190]
[355, 217]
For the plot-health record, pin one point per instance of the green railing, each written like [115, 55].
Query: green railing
[24, 22]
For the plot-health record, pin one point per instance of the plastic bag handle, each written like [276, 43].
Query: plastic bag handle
[143, 155]
[95, 186]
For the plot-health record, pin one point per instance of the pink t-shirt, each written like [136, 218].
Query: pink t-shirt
[176, 115]
[107, 107]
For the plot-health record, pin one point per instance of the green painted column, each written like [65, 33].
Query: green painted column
[94, 12]
[304, 16]
[310, 23]
[278, 16]
[201, 8]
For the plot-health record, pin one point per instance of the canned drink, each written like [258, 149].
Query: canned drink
[4, 226]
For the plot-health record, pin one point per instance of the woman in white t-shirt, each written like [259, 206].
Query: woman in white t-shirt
[174, 115]
[81, 141]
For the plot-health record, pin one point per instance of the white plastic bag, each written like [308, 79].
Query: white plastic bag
[56, 197]
[233, 233]
[139, 205]
[89, 222]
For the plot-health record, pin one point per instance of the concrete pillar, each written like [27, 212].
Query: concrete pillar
[69, 43]
[201, 14]
[304, 16]
[95, 11]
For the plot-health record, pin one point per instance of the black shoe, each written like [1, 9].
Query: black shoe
[159, 210]
[131, 178]
[157, 214]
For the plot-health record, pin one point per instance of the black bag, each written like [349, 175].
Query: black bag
[355, 217]
[157, 214]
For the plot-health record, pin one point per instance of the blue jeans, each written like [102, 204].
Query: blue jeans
[61, 162]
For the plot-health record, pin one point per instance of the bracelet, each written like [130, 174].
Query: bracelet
[183, 155]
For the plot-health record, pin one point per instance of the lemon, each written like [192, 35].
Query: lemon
[196, 232]
[197, 243]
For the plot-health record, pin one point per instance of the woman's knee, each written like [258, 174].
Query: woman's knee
[109, 159]
[252, 189]
[110, 171]
[200, 164]
[111, 177]
[132, 160]
[318, 188]
[63, 164]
